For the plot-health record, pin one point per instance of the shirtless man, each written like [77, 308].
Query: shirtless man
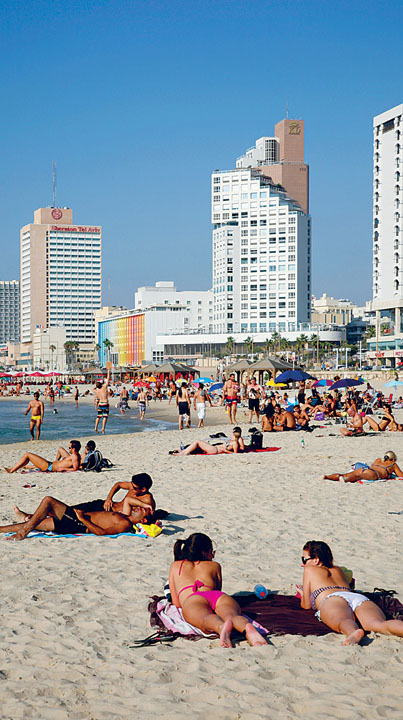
[52, 515]
[142, 402]
[230, 397]
[183, 405]
[301, 418]
[254, 392]
[37, 411]
[356, 426]
[138, 495]
[199, 403]
[102, 401]
[124, 398]
[71, 462]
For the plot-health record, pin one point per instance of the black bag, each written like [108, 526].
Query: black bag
[95, 462]
[256, 439]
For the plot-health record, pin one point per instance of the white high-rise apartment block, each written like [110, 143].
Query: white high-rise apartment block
[198, 303]
[388, 209]
[61, 275]
[9, 311]
[261, 255]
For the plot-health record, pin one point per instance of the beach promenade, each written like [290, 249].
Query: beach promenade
[72, 607]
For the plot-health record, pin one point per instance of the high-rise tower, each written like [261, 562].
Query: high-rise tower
[61, 275]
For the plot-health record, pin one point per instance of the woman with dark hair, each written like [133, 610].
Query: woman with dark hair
[195, 585]
[326, 590]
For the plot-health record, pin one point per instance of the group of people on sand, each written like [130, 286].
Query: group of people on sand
[195, 582]
[100, 516]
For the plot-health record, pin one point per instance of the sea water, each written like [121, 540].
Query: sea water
[70, 421]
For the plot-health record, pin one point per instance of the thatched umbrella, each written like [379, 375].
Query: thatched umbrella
[269, 364]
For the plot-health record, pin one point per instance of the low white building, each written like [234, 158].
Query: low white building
[48, 351]
[198, 303]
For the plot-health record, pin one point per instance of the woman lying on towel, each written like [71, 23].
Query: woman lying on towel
[379, 470]
[195, 585]
[326, 590]
[234, 445]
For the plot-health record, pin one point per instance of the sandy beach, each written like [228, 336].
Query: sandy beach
[72, 607]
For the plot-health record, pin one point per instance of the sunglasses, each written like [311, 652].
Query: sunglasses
[305, 560]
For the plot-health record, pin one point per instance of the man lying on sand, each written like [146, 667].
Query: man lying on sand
[70, 462]
[235, 445]
[379, 470]
[52, 515]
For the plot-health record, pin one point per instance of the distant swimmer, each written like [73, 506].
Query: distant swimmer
[37, 411]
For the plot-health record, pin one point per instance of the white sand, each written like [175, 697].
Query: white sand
[71, 608]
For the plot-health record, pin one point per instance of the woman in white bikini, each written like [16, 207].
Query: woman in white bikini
[195, 585]
[326, 590]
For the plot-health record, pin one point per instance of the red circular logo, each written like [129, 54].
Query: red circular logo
[56, 213]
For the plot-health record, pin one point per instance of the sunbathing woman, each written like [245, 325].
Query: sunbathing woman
[387, 422]
[379, 470]
[195, 585]
[235, 445]
[326, 590]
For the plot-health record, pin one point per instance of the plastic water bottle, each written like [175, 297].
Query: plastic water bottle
[302, 443]
[182, 446]
[260, 591]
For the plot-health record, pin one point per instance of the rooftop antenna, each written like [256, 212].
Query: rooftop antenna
[54, 183]
[286, 110]
[109, 290]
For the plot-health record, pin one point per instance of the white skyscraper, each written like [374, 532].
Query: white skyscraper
[61, 275]
[261, 255]
[388, 212]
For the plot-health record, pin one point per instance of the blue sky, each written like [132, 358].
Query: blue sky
[137, 102]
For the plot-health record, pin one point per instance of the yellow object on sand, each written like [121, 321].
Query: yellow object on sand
[152, 530]
[272, 383]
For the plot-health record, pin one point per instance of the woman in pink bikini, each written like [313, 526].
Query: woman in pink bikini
[195, 584]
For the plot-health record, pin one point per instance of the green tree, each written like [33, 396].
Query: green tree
[275, 340]
[108, 347]
[248, 342]
[229, 347]
[52, 349]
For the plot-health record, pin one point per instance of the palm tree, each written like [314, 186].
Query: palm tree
[248, 342]
[74, 346]
[275, 339]
[108, 347]
[97, 348]
[68, 346]
[267, 346]
[230, 345]
[52, 349]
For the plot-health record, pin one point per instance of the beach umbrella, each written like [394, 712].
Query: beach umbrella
[272, 383]
[393, 383]
[323, 383]
[293, 376]
[202, 380]
[216, 386]
[345, 383]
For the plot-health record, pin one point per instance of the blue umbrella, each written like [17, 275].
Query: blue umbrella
[393, 383]
[293, 376]
[203, 380]
[345, 382]
[216, 386]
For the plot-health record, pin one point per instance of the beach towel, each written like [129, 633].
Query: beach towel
[141, 532]
[282, 614]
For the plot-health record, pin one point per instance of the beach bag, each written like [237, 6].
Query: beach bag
[256, 439]
[95, 462]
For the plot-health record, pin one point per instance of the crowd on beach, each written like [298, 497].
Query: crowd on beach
[195, 579]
